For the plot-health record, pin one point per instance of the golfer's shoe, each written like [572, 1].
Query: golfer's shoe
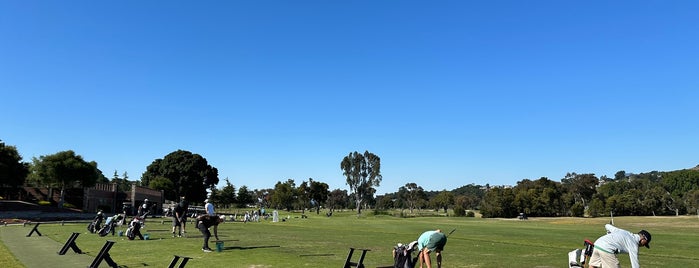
[206, 249]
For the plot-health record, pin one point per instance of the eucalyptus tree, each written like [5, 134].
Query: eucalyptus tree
[363, 173]
[443, 200]
[412, 195]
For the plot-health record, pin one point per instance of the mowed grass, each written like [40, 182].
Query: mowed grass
[319, 241]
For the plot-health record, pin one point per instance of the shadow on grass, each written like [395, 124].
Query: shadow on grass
[246, 248]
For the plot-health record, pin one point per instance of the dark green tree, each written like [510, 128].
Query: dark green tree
[162, 183]
[245, 197]
[123, 183]
[190, 174]
[385, 201]
[443, 200]
[227, 194]
[497, 203]
[581, 186]
[337, 199]
[65, 169]
[412, 195]
[302, 196]
[13, 172]
[283, 195]
[318, 193]
[363, 173]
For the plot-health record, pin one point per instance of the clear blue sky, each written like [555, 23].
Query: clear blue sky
[447, 93]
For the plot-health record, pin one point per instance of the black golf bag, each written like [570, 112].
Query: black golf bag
[96, 223]
[403, 255]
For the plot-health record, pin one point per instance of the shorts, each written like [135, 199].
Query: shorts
[437, 242]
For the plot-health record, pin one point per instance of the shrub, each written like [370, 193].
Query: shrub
[459, 212]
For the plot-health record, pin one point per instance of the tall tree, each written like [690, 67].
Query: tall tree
[245, 196]
[227, 194]
[363, 173]
[337, 199]
[65, 169]
[411, 195]
[190, 174]
[497, 203]
[13, 172]
[283, 195]
[443, 200]
[582, 186]
[318, 193]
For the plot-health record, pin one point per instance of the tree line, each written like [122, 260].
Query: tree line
[183, 173]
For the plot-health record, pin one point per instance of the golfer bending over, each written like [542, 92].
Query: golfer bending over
[203, 224]
[618, 241]
[431, 241]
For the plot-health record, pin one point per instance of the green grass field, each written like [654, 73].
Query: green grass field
[320, 241]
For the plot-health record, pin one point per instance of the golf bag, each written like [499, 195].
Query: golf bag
[110, 225]
[135, 228]
[403, 255]
[579, 257]
[96, 223]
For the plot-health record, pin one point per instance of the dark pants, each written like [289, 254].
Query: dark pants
[206, 233]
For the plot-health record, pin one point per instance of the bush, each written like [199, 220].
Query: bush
[459, 212]
[470, 214]
[380, 212]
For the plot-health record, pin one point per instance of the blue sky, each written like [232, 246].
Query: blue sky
[447, 93]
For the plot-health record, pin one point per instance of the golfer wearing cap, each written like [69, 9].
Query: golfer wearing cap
[431, 241]
[618, 241]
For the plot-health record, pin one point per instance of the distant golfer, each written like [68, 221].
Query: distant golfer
[431, 241]
[618, 241]
[203, 224]
[209, 207]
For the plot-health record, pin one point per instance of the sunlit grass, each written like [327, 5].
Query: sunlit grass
[320, 241]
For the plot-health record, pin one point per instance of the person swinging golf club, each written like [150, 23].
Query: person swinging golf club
[431, 241]
[618, 241]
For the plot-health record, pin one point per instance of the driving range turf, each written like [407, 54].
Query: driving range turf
[320, 241]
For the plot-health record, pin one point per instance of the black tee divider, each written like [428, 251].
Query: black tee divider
[177, 258]
[104, 255]
[34, 230]
[70, 243]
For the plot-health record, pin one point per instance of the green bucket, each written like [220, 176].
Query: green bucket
[219, 246]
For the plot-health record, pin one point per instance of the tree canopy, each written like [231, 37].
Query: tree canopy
[64, 169]
[190, 175]
[13, 172]
[363, 173]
